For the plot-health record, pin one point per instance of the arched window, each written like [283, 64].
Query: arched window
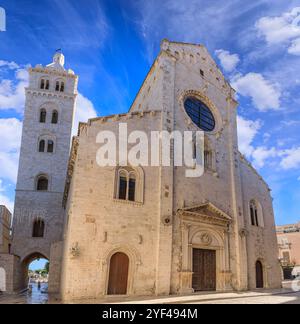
[43, 116]
[42, 146]
[122, 185]
[54, 117]
[253, 213]
[45, 84]
[50, 148]
[42, 183]
[256, 213]
[57, 86]
[127, 185]
[38, 228]
[60, 86]
[132, 186]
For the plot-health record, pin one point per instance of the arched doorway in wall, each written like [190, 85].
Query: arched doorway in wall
[35, 270]
[118, 274]
[259, 275]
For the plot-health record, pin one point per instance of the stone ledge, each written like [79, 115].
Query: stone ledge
[127, 202]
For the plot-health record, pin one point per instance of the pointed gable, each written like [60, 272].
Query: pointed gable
[206, 213]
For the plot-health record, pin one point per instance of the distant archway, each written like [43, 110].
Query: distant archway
[26, 265]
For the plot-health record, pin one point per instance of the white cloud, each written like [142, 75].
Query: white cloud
[4, 200]
[247, 130]
[228, 61]
[12, 93]
[261, 154]
[291, 159]
[264, 94]
[295, 47]
[11, 131]
[193, 21]
[282, 29]
[84, 111]
[9, 65]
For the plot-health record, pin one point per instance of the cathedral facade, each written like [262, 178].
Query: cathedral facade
[146, 230]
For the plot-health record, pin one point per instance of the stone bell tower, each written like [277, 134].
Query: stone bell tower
[49, 110]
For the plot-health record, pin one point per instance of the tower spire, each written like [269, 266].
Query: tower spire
[58, 60]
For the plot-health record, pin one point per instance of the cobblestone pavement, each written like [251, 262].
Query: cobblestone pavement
[281, 296]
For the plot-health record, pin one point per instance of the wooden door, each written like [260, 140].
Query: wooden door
[259, 275]
[118, 274]
[204, 270]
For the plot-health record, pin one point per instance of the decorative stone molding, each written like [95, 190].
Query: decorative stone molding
[207, 101]
[206, 213]
[41, 69]
[74, 250]
[50, 94]
[243, 233]
[167, 220]
[206, 239]
[139, 191]
[127, 202]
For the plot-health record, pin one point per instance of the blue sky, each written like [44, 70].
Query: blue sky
[111, 45]
[38, 264]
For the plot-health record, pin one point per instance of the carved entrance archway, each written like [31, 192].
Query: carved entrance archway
[205, 228]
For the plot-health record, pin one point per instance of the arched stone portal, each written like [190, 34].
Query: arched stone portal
[205, 249]
[25, 265]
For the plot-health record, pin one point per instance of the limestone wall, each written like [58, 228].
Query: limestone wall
[56, 255]
[10, 267]
[5, 227]
[261, 240]
[100, 225]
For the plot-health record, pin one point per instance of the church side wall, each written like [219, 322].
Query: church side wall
[261, 241]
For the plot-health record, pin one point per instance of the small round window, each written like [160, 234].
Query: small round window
[200, 114]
